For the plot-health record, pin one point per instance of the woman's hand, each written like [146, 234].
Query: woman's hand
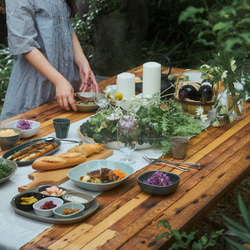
[64, 90]
[65, 95]
[88, 78]
[85, 71]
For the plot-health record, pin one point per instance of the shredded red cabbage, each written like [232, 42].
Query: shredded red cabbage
[158, 179]
[23, 124]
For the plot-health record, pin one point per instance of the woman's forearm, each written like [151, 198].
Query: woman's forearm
[79, 57]
[41, 64]
[64, 90]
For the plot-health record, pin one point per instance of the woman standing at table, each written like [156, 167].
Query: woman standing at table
[48, 60]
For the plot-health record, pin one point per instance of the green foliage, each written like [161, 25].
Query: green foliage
[155, 124]
[243, 232]
[83, 25]
[6, 62]
[221, 28]
[188, 241]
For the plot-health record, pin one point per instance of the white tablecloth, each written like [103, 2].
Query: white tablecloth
[16, 230]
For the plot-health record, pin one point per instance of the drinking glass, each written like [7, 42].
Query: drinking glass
[99, 100]
[126, 140]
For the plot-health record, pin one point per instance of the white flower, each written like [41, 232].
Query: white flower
[224, 75]
[203, 117]
[216, 123]
[233, 65]
[231, 118]
[222, 110]
[108, 92]
[199, 111]
[205, 67]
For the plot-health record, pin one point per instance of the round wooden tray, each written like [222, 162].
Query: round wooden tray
[190, 106]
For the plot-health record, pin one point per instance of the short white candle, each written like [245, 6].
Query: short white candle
[151, 79]
[125, 84]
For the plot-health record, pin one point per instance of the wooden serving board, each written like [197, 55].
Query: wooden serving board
[57, 177]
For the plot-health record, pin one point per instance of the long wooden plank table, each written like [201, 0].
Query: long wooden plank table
[127, 217]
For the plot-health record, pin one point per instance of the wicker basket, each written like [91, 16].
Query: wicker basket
[187, 104]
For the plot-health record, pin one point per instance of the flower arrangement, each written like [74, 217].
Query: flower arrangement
[227, 78]
[156, 120]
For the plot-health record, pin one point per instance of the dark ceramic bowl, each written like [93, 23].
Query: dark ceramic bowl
[27, 207]
[158, 190]
[7, 142]
[44, 187]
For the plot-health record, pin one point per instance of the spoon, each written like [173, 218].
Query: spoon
[48, 139]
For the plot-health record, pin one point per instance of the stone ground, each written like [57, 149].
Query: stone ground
[228, 207]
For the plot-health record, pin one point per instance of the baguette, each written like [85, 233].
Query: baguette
[64, 160]
[87, 149]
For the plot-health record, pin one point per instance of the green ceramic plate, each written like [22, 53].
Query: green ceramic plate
[75, 173]
[26, 144]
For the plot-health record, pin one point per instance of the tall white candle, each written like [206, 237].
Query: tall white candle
[125, 84]
[151, 79]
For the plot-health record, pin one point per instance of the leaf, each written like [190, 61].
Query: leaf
[190, 12]
[237, 245]
[221, 25]
[231, 42]
[244, 212]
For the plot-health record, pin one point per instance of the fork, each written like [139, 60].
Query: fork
[150, 161]
[195, 165]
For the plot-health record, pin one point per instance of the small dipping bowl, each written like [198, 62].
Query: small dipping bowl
[46, 212]
[44, 187]
[71, 205]
[78, 197]
[27, 207]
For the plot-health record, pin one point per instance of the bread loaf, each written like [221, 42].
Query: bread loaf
[87, 149]
[60, 161]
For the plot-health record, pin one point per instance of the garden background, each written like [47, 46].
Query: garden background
[117, 35]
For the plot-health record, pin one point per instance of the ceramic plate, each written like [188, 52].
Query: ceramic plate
[14, 167]
[26, 144]
[30, 214]
[75, 173]
[87, 108]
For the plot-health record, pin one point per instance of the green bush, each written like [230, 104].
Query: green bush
[6, 62]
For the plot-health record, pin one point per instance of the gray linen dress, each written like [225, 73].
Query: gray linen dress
[45, 25]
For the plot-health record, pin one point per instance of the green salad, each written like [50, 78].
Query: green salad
[5, 170]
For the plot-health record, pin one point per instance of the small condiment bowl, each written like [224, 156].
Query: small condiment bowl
[8, 141]
[27, 207]
[78, 197]
[46, 212]
[71, 205]
[44, 187]
[158, 190]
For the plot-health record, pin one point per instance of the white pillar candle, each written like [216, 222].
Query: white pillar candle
[151, 79]
[125, 84]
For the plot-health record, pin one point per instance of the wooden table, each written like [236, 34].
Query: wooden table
[127, 218]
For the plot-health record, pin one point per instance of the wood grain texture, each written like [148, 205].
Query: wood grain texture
[127, 217]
